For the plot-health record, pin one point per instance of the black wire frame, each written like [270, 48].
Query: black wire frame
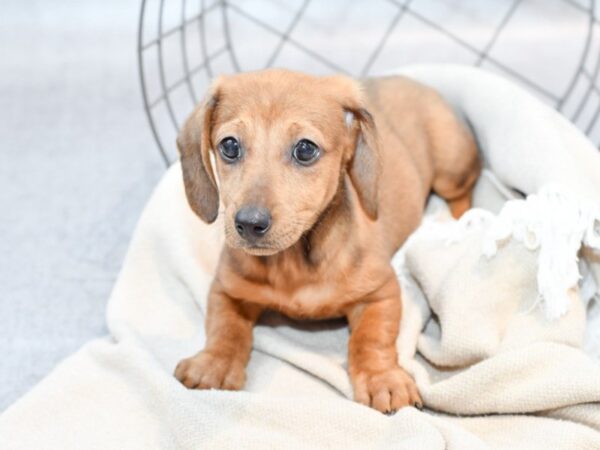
[157, 42]
[404, 9]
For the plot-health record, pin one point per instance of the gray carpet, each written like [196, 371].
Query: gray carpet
[77, 163]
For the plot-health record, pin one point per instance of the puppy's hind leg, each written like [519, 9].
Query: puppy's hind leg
[457, 189]
[457, 165]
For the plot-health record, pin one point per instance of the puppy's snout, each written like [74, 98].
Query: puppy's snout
[252, 222]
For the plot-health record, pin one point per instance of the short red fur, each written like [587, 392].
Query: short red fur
[385, 144]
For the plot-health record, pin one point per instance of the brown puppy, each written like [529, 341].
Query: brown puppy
[321, 181]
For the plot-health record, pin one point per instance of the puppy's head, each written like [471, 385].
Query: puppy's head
[282, 144]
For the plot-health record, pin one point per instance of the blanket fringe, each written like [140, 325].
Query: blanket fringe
[552, 222]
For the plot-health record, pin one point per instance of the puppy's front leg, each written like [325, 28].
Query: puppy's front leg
[377, 379]
[222, 363]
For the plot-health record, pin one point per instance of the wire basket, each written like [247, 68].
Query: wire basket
[552, 47]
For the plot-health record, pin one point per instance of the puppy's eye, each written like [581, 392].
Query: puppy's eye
[229, 148]
[306, 152]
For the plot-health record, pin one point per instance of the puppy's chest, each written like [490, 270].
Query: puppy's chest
[310, 292]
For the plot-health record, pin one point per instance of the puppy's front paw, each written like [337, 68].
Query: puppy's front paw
[387, 390]
[209, 371]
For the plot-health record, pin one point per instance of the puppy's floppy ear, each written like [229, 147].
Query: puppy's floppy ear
[363, 167]
[364, 164]
[194, 144]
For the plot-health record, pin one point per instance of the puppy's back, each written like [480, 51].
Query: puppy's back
[424, 145]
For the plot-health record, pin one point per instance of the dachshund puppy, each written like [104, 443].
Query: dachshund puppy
[321, 180]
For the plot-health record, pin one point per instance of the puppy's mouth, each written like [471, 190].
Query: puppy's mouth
[275, 240]
[265, 247]
[260, 250]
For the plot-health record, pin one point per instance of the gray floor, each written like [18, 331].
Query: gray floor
[77, 161]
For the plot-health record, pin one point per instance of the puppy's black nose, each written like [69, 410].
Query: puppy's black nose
[252, 222]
